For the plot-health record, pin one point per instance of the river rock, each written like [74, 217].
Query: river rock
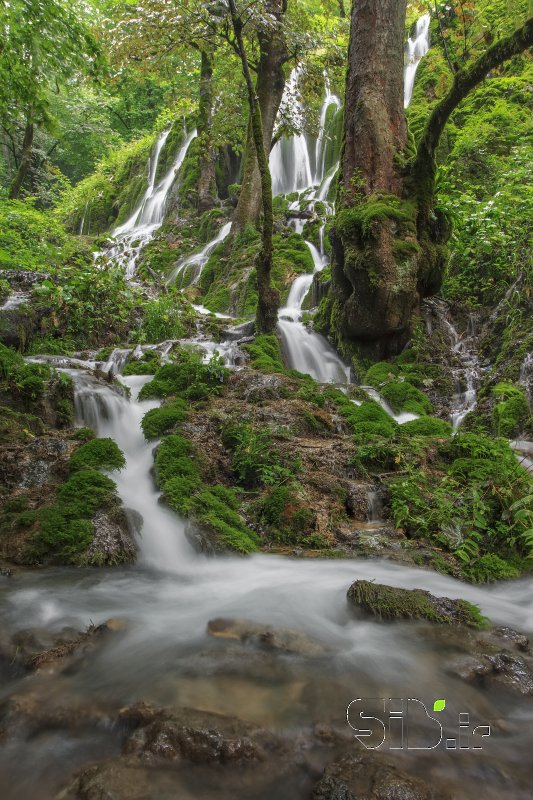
[357, 500]
[281, 639]
[189, 735]
[112, 539]
[503, 669]
[370, 777]
[390, 602]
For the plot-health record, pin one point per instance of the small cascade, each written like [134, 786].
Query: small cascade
[375, 506]
[466, 374]
[320, 147]
[416, 49]
[15, 300]
[162, 542]
[290, 163]
[401, 418]
[133, 235]
[526, 376]
[84, 217]
[197, 261]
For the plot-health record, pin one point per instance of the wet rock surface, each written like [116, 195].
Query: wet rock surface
[371, 777]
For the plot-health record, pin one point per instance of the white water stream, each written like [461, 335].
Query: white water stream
[416, 49]
[164, 655]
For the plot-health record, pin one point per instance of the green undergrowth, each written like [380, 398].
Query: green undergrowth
[147, 364]
[29, 384]
[98, 454]
[188, 377]
[473, 500]
[215, 507]
[160, 420]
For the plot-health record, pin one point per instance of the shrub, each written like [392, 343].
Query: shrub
[490, 568]
[98, 454]
[148, 364]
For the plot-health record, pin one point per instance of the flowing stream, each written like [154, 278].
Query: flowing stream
[164, 655]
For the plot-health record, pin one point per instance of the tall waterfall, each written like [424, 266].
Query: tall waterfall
[134, 234]
[416, 49]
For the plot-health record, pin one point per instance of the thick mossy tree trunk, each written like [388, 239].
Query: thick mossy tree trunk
[207, 187]
[25, 160]
[389, 239]
[270, 83]
[268, 298]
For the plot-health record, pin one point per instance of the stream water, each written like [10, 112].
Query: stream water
[164, 655]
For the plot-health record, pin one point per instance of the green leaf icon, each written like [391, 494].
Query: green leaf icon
[439, 705]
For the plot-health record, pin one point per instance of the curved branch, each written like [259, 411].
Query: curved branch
[464, 81]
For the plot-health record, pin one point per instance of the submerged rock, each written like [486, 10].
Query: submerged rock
[390, 602]
[503, 669]
[282, 639]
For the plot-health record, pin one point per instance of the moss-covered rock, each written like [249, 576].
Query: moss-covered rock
[390, 603]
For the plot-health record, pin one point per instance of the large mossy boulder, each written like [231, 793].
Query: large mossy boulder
[391, 603]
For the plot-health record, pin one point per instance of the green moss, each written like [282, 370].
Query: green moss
[428, 426]
[390, 603]
[148, 364]
[358, 221]
[158, 421]
[86, 491]
[189, 376]
[98, 454]
[173, 458]
[380, 373]
[490, 568]
[84, 434]
[215, 508]
[265, 354]
[403, 396]
[16, 426]
[511, 411]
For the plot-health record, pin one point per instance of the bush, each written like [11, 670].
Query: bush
[98, 454]
[490, 568]
[158, 421]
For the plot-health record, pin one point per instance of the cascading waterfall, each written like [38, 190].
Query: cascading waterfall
[416, 49]
[134, 234]
[467, 374]
[197, 261]
[290, 164]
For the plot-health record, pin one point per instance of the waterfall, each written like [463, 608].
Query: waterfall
[466, 375]
[198, 260]
[133, 235]
[416, 49]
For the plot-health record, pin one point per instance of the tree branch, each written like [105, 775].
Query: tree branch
[464, 81]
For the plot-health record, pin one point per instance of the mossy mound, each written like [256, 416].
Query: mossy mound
[160, 420]
[391, 603]
[98, 454]
[265, 354]
[510, 411]
[189, 376]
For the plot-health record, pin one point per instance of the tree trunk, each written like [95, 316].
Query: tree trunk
[25, 161]
[373, 290]
[389, 240]
[207, 188]
[267, 297]
[269, 88]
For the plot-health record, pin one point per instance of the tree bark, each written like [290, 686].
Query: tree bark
[25, 161]
[267, 299]
[269, 88]
[374, 294]
[207, 188]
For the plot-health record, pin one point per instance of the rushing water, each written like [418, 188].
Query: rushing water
[416, 49]
[134, 234]
[164, 656]
[197, 261]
